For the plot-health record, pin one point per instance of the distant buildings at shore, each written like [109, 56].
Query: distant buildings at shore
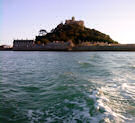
[30, 45]
[5, 47]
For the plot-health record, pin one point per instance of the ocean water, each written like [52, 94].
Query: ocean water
[67, 87]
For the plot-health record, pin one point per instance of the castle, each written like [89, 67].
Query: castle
[73, 21]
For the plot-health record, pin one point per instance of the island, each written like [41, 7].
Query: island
[72, 35]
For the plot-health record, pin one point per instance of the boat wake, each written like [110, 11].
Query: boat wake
[102, 105]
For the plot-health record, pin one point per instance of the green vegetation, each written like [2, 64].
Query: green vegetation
[74, 32]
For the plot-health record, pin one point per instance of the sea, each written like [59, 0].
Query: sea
[67, 87]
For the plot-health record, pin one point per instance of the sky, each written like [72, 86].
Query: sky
[22, 19]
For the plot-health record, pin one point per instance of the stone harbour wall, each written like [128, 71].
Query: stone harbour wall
[105, 48]
[52, 47]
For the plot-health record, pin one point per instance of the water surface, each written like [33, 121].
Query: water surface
[69, 87]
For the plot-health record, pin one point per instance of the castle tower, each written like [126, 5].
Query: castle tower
[73, 21]
[73, 18]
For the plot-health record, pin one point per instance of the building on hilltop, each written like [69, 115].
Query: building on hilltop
[73, 21]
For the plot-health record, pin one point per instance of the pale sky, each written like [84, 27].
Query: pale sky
[22, 19]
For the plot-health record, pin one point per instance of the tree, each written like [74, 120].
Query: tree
[42, 32]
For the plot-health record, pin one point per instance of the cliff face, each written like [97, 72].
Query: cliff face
[76, 33]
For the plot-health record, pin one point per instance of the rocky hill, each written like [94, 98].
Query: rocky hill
[75, 32]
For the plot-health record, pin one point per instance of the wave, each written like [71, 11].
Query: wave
[86, 64]
[128, 89]
[78, 110]
[103, 109]
[115, 101]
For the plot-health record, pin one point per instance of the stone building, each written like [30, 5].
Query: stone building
[73, 21]
[20, 44]
[29, 45]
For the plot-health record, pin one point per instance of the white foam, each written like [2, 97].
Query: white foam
[105, 110]
[102, 103]
[128, 89]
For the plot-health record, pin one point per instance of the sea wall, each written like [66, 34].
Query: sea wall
[66, 47]
[128, 47]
